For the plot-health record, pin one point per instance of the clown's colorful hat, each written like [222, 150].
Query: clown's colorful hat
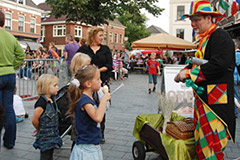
[201, 8]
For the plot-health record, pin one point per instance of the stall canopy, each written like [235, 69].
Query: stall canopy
[151, 51]
[31, 45]
[163, 41]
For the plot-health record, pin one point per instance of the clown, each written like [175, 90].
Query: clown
[214, 119]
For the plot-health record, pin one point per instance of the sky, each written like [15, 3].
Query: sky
[161, 21]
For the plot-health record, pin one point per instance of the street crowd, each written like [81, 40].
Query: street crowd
[90, 65]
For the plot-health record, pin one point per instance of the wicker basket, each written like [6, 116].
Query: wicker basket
[183, 129]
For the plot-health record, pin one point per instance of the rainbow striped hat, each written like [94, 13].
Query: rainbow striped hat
[201, 8]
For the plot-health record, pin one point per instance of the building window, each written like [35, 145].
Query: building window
[32, 25]
[8, 21]
[105, 37]
[59, 31]
[180, 11]
[116, 38]
[180, 33]
[78, 31]
[42, 34]
[43, 31]
[121, 38]
[111, 37]
[21, 23]
[21, 1]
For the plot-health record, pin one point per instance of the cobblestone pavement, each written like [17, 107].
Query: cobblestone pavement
[128, 102]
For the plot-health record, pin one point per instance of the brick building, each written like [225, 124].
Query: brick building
[114, 35]
[23, 20]
[55, 30]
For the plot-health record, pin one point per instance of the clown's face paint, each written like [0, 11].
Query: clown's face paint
[200, 24]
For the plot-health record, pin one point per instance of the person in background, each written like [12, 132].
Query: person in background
[88, 114]
[82, 41]
[45, 117]
[69, 51]
[125, 56]
[175, 60]
[54, 64]
[188, 60]
[118, 64]
[159, 59]
[44, 54]
[77, 40]
[236, 74]
[29, 51]
[26, 68]
[54, 53]
[11, 56]
[101, 56]
[169, 60]
[52, 45]
[214, 118]
[154, 70]
[182, 58]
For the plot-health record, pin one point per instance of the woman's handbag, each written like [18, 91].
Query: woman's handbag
[183, 129]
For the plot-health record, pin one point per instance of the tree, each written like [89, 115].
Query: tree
[97, 12]
[135, 27]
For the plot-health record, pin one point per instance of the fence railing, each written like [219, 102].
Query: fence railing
[32, 69]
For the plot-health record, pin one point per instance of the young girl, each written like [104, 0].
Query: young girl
[87, 114]
[78, 61]
[45, 117]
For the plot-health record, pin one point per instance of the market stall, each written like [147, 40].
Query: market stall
[149, 129]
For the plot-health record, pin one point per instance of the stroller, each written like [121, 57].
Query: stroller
[62, 102]
[150, 139]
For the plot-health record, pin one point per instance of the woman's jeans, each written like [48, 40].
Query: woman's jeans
[7, 86]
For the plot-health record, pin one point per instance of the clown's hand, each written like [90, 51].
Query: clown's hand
[180, 77]
[176, 78]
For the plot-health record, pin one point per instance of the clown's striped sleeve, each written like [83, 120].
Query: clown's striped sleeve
[195, 74]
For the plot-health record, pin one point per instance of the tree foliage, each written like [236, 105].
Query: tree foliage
[97, 12]
[135, 27]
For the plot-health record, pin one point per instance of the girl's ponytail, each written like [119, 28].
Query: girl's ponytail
[74, 94]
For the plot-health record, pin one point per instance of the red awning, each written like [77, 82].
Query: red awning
[151, 51]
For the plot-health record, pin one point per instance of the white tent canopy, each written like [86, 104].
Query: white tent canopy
[32, 45]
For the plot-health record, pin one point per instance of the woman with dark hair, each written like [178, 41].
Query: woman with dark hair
[101, 56]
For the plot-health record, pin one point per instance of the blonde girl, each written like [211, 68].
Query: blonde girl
[45, 117]
[87, 114]
[78, 61]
